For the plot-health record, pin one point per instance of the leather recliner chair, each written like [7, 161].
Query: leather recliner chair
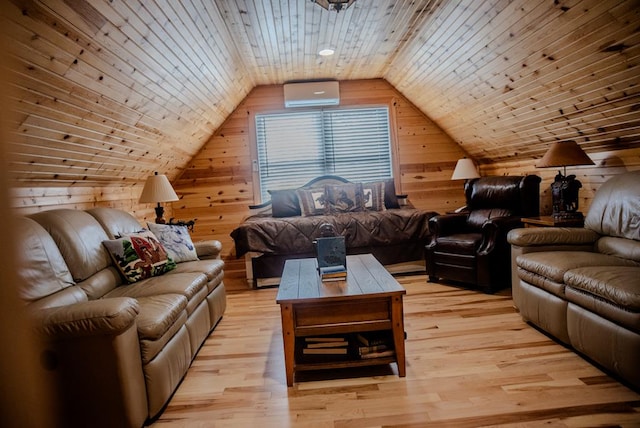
[471, 246]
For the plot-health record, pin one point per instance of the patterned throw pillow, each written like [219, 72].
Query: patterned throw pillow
[373, 196]
[176, 240]
[312, 201]
[139, 256]
[344, 198]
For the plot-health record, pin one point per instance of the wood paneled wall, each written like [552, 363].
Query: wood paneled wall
[607, 164]
[217, 185]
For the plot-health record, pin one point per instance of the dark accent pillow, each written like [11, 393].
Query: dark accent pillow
[139, 256]
[312, 201]
[373, 196]
[285, 203]
[344, 198]
[390, 198]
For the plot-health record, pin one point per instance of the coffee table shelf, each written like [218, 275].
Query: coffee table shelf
[370, 299]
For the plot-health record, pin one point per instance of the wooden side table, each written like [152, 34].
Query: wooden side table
[549, 221]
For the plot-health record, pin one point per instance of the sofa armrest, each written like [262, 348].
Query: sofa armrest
[104, 317]
[209, 249]
[551, 236]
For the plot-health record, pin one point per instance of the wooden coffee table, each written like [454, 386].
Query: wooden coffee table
[369, 300]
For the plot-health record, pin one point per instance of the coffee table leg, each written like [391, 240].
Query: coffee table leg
[288, 338]
[397, 319]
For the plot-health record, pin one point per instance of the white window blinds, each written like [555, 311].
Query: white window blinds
[296, 147]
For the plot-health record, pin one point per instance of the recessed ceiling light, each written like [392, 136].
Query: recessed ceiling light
[326, 52]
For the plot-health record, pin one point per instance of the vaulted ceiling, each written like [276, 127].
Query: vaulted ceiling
[108, 91]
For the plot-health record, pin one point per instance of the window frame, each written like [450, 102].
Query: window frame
[255, 172]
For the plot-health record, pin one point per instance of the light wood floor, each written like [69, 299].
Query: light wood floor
[471, 361]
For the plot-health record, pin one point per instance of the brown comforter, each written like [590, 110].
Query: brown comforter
[295, 235]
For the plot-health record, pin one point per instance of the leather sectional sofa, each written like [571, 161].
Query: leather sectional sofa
[114, 351]
[582, 285]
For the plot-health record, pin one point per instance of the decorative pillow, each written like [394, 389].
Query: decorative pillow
[284, 203]
[344, 198]
[390, 198]
[373, 196]
[139, 256]
[312, 201]
[176, 240]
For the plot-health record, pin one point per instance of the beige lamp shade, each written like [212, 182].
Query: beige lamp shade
[564, 153]
[465, 169]
[158, 189]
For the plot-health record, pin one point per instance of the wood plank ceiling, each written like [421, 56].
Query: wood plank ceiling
[108, 91]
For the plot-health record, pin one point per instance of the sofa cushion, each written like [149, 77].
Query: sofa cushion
[373, 196]
[212, 268]
[619, 247]
[79, 237]
[176, 240]
[618, 285]
[460, 243]
[554, 264]
[41, 267]
[615, 209]
[613, 293]
[116, 223]
[312, 201]
[159, 319]
[344, 198]
[139, 256]
[285, 203]
[390, 198]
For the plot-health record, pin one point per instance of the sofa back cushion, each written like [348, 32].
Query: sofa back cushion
[79, 237]
[615, 209]
[115, 222]
[44, 277]
[620, 247]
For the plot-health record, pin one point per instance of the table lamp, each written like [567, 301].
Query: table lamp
[564, 189]
[158, 189]
[464, 170]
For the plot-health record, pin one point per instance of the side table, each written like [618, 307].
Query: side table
[549, 221]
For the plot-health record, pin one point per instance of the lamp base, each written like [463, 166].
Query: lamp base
[159, 214]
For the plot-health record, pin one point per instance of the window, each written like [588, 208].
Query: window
[296, 147]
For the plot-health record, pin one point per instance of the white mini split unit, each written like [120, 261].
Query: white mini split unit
[309, 94]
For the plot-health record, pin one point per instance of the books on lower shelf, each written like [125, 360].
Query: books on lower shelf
[326, 345]
[374, 345]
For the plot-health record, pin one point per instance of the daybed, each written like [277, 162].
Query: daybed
[121, 326]
[371, 217]
[582, 285]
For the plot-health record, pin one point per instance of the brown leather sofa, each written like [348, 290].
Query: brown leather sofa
[115, 351]
[471, 246]
[582, 285]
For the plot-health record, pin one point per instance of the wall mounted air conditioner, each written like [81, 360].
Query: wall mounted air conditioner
[308, 94]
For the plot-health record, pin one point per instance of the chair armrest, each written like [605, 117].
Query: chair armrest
[495, 230]
[209, 249]
[104, 317]
[550, 236]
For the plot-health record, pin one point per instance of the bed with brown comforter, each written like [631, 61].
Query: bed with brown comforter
[393, 231]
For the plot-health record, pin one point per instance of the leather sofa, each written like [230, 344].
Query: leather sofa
[582, 285]
[114, 351]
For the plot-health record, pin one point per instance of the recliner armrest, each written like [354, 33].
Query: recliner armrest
[104, 317]
[495, 230]
[549, 236]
